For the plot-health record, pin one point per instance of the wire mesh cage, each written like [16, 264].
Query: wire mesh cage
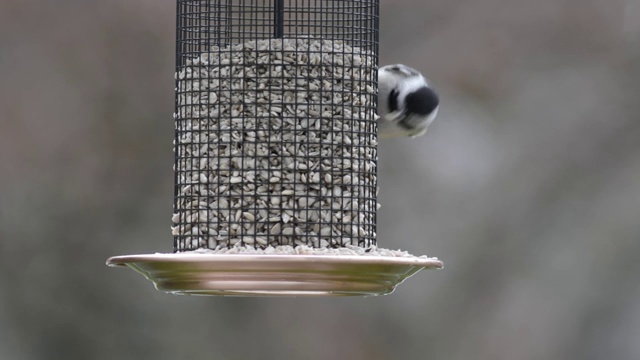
[275, 118]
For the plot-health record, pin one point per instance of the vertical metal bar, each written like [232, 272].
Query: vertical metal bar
[178, 63]
[278, 19]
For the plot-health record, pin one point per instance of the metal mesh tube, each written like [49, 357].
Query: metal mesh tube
[275, 139]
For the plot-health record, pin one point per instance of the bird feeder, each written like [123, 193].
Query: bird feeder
[276, 153]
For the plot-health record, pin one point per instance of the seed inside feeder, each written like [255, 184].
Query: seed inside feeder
[276, 146]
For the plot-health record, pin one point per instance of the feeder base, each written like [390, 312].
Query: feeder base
[275, 275]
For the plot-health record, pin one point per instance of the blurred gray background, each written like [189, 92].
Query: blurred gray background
[527, 186]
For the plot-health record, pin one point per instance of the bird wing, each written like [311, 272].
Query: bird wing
[402, 70]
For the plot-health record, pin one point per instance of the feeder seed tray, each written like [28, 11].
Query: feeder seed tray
[275, 275]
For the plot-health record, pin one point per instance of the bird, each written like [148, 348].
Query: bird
[407, 104]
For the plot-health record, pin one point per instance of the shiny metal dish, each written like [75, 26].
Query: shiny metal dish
[274, 275]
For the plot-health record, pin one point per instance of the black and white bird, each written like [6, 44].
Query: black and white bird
[407, 105]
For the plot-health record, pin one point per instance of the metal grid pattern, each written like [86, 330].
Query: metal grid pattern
[275, 139]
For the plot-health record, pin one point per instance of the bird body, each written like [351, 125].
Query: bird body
[407, 105]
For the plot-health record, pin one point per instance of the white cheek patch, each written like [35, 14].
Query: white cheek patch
[432, 116]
